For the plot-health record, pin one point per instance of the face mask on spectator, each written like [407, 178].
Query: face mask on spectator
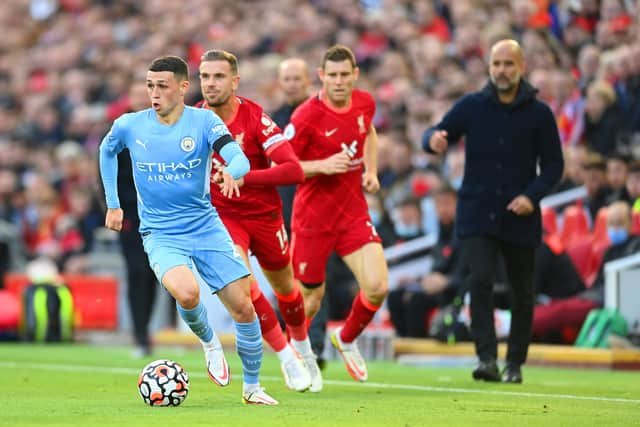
[376, 216]
[406, 230]
[617, 235]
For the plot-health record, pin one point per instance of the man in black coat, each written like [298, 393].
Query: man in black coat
[513, 158]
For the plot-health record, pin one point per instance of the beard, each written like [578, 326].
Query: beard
[216, 102]
[503, 84]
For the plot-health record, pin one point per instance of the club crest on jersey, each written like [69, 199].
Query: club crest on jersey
[361, 127]
[268, 124]
[187, 144]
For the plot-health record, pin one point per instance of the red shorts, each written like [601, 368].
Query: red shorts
[264, 236]
[311, 250]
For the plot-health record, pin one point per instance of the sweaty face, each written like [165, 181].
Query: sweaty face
[338, 79]
[217, 82]
[506, 68]
[164, 91]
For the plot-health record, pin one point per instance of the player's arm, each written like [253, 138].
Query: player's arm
[110, 146]
[287, 170]
[237, 166]
[332, 165]
[300, 139]
[370, 176]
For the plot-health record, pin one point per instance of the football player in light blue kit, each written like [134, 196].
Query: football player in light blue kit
[171, 147]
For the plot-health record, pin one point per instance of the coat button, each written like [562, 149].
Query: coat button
[492, 216]
[501, 141]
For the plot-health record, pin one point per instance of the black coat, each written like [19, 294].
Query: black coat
[504, 147]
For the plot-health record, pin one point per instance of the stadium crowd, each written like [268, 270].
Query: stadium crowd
[66, 67]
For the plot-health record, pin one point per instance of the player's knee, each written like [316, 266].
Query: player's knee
[187, 298]
[377, 291]
[243, 313]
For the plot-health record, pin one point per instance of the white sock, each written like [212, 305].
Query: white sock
[302, 347]
[213, 343]
[250, 388]
[285, 354]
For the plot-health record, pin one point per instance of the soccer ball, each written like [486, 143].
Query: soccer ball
[163, 383]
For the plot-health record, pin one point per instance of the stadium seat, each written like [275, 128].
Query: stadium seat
[600, 234]
[575, 226]
[549, 220]
[580, 253]
[635, 224]
[95, 298]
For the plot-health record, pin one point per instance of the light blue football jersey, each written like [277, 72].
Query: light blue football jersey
[171, 171]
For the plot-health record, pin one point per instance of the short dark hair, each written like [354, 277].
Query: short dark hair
[221, 55]
[594, 161]
[634, 166]
[339, 53]
[173, 64]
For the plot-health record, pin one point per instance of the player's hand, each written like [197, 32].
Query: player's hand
[438, 141]
[370, 182]
[113, 219]
[521, 205]
[228, 185]
[337, 163]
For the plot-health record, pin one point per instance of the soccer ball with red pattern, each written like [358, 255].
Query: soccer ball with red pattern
[163, 383]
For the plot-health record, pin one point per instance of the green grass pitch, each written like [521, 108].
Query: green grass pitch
[79, 385]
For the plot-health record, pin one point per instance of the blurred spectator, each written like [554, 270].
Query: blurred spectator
[293, 79]
[603, 119]
[380, 219]
[406, 217]
[557, 314]
[410, 303]
[633, 185]
[617, 174]
[595, 181]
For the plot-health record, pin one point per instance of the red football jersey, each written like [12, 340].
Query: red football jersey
[316, 132]
[258, 135]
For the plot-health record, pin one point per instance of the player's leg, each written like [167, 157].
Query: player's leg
[270, 245]
[236, 298]
[292, 365]
[183, 286]
[227, 275]
[370, 270]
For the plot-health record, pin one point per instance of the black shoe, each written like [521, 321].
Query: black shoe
[512, 374]
[487, 371]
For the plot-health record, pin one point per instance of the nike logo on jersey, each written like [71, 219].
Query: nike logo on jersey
[350, 149]
[328, 133]
[144, 144]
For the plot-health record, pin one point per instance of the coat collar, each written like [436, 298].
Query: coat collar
[525, 93]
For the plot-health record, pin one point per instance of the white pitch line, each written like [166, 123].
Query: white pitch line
[132, 371]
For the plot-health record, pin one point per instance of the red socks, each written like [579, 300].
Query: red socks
[362, 311]
[292, 310]
[269, 324]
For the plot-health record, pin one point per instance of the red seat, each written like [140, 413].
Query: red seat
[635, 223]
[581, 253]
[95, 298]
[549, 220]
[600, 234]
[575, 226]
